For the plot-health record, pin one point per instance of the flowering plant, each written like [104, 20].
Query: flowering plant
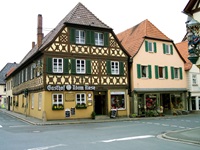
[57, 107]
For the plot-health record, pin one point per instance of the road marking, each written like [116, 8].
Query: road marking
[175, 126]
[0, 126]
[46, 147]
[18, 126]
[128, 138]
[166, 125]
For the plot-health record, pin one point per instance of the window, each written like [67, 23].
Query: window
[194, 79]
[22, 75]
[176, 73]
[118, 100]
[150, 46]
[39, 101]
[99, 39]
[26, 74]
[80, 66]
[57, 65]
[32, 101]
[57, 99]
[114, 67]
[32, 71]
[80, 37]
[144, 71]
[167, 49]
[80, 99]
[161, 72]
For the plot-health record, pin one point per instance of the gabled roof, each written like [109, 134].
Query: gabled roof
[182, 47]
[79, 15]
[188, 8]
[5, 70]
[133, 38]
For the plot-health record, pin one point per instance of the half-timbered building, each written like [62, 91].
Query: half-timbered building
[76, 69]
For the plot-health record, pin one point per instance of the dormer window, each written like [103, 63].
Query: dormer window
[99, 39]
[80, 37]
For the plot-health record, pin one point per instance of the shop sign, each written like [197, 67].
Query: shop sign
[70, 88]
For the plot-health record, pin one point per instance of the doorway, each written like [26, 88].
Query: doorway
[100, 103]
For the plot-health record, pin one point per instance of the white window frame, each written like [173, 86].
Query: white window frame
[150, 47]
[26, 74]
[22, 73]
[32, 101]
[194, 79]
[57, 65]
[176, 73]
[57, 99]
[161, 68]
[80, 37]
[167, 49]
[80, 98]
[115, 67]
[80, 66]
[39, 101]
[144, 74]
[99, 39]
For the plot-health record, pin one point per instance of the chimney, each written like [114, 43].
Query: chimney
[39, 31]
[33, 45]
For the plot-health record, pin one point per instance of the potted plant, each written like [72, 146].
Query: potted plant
[93, 114]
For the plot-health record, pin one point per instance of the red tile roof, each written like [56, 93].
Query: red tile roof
[132, 38]
[183, 50]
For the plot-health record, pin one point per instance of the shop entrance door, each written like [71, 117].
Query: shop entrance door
[100, 104]
[165, 101]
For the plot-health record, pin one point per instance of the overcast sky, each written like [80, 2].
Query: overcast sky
[19, 19]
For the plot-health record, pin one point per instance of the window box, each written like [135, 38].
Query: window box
[58, 107]
[81, 106]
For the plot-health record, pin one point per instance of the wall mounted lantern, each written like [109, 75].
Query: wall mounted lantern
[193, 37]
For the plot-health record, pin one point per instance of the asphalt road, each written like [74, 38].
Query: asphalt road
[124, 135]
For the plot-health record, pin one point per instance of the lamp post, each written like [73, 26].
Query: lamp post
[193, 37]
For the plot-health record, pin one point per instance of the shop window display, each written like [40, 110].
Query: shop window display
[117, 101]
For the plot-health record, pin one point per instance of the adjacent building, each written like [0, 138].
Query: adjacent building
[193, 78]
[78, 68]
[158, 80]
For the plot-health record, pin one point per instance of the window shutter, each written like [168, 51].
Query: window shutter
[155, 48]
[72, 35]
[172, 72]
[149, 69]
[73, 66]
[121, 68]
[171, 49]
[92, 39]
[156, 72]
[139, 71]
[108, 67]
[88, 37]
[181, 73]
[29, 73]
[88, 67]
[48, 65]
[164, 49]
[66, 67]
[166, 72]
[146, 46]
[106, 39]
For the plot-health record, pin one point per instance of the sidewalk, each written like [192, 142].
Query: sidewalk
[188, 136]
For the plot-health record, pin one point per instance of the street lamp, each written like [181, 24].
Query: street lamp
[193, 37]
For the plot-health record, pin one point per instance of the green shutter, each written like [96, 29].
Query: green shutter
[172, 72]
[88, 67]
[138, 70]
[164, 49]
[156, 72]
[66, 66]
[106, 39]
[73, 66]
[149, 70]
[88, 37]
[166, 72]
[146, 46]
[171, 49]
[121, 68]
[181, 73]
[48, 65]
[155, 47]
[92, 38]
[72, 35]
[108, 67]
